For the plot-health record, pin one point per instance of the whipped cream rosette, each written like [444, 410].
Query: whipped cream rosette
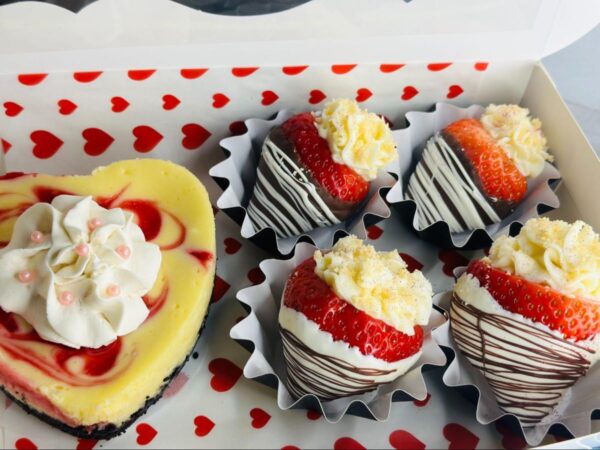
[527, 317]
[76, 272]
[471, 172]
[306, 176]
[340, 330]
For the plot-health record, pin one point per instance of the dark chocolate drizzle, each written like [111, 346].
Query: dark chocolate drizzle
[335, 377]
[518, 360]
[274, 195]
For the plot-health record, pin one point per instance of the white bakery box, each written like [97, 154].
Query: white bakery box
[161, 80]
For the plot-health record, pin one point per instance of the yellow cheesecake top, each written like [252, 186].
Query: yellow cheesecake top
[377, 283]
[519, 135]
[357, 138]
[561, 255]
[109, 384]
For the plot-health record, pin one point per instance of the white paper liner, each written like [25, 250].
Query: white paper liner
[260, 328]
[410, 142]
[239, 169]
[574, 411]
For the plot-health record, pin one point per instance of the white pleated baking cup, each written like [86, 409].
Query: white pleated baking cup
[259, 332]
[237, 176]
[574, 411]
[410, 142]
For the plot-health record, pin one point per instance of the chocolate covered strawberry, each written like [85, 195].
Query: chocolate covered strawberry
[350, 320]
[528, 316]
[474, 172]
[315, 169]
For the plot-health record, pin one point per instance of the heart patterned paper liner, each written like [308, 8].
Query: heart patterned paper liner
[266, 363]
[410, 141]
[237, 176]
[574, 411]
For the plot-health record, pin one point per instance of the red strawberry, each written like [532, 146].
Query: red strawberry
[574, 317]
[307, 293]
[313, 151]
[498, 173]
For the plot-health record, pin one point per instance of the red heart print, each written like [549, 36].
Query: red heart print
[12, 109]
[347, 443]
[176, 385]
[192, 74]
[421, 403]
[225, 374]
[316, 96]
[268, 98]
[290, 447]
[219, 100]
[66, 106]
[97, 141]
[170, 102]
[203, 425]
[31, 79]
[403, 440]
[363, 94]
[451, 259]
[219, 289]
[5, 146]
[374, 232]
[459, 437]
[140, 74]
[86, 444]
[412, 264]
[510, 439]
[194, 136]
[409, 92]
[293, 70]
[146, 433]
[259, 418]
[243, 71]
[436, 67]
[86, 77]
[256, 276]
[454, 91]
[232, 245]
[45, 144]
[146, 138]
[340, 69]
[389, 68]
[311, 414]
[25, 444]
[237, 128]
[480, 66]
[119, 104]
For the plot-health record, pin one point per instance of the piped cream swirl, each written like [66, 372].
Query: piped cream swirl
[564, 256]
[86, 269]
[357, 138]
[519, 135]
[377, 283]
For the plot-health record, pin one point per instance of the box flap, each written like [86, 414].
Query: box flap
[317, 31]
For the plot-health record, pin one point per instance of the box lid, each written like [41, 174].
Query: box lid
[318, 31]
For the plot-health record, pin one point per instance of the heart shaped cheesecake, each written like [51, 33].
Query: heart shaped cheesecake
[105, 283]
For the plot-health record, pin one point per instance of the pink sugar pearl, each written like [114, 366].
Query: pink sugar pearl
[66, 298]
[113, 290]
[25, 276]
[37, 237]
[94, 223]
[82, 250]
[124, 251]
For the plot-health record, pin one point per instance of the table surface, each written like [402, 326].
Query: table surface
[576, 71]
